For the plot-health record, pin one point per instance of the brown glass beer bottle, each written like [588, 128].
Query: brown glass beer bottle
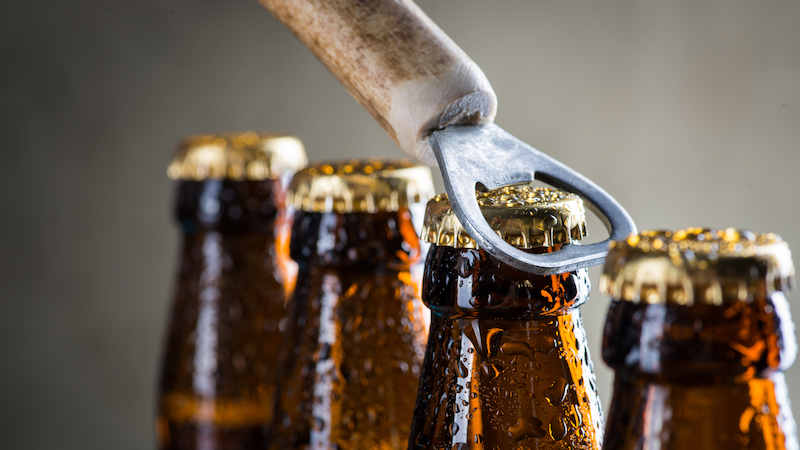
[351, 360]
[506, 366]
[217, 375]
[699, 333]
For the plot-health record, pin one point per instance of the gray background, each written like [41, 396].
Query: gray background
[688, 112]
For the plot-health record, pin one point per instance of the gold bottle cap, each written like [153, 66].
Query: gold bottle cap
[522, 215]
[237, 156]
[697, 265]
[369, 186]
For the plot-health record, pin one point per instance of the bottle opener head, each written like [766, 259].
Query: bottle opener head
[486, 154]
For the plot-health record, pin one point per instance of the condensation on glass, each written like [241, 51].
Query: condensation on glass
[506, 365]
[351, 360]
[699, 334]
[217, 374]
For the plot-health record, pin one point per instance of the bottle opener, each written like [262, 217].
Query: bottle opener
[437, 104]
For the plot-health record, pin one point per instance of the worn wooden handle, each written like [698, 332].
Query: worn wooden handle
[396, 62]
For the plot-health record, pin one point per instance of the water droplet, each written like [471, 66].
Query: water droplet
[527, 428]
[323, 353]
[462, 369]
[490, 370]
[493, 337]
[484, 339]
[577, 417]
[464, 266]
[546, 345]
[558, 428]
[557, 391]
[517, 348]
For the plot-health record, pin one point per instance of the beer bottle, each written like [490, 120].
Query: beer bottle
[356, 334]
[506, 365]
[217, 375]
[699, 334]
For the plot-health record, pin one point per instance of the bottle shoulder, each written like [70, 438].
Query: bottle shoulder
[734, 415]
[508, 383]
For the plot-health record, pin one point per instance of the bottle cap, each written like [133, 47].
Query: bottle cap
[369, 186]
[237, 156]
[522, 215]
[697, 265]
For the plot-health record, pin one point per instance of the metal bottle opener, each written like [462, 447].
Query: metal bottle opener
[489, 155]
[435, 102]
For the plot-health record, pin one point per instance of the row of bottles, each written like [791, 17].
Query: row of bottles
[337, 338]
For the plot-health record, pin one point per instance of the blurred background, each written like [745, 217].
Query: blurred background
[688, 112]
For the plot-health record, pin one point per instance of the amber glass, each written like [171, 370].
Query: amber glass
[506, 366]
[700, 377]
[217, 376]
[351, 362]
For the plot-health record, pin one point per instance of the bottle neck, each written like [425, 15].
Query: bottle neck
[470, 282]
[374, 241]
[229, 205]
[234, 228]
[227, 315]
[730, 415]
[700, 344]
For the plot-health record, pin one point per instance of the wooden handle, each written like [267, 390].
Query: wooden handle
[396, 62]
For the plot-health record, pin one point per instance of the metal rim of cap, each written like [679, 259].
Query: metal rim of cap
[237, 156]
[360, 186]
[523, 215]
[697, 266]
